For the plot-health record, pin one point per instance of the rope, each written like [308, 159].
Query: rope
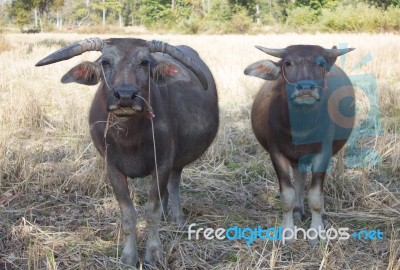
[295, 85]
[104, 76]
[151, 116]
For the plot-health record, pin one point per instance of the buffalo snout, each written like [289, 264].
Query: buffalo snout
[303, 85]
[124, 94]
[305, 92]
[125, 101]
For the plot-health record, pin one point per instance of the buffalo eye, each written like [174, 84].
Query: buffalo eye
[321, 63]
[105, 63]
[144, 62]
[287, 63]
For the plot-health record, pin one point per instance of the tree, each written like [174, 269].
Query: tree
[105, 6]
[57, 6]
[384, 3]
[21, 11]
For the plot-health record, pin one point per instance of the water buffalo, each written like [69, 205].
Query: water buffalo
[302, 116]
[139, 80]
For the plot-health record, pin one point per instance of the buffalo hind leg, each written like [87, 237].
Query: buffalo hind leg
[154, 252]
[128, 213]
[173, 190]
[298, 183]
[288, 195]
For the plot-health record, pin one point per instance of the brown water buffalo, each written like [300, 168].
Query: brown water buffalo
[302, 116]
[140, 79]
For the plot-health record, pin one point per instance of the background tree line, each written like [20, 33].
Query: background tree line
[213, 16]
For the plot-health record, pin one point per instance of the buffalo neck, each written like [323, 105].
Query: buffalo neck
[303, 123]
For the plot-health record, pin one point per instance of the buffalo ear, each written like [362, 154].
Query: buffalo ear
[264, 69]
[87, 73]
[165, 72]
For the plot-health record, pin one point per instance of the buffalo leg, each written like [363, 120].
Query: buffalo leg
[288, 195]
[173, 190]
[154, 251]
[164, 212]
[172, 193]
[315, 194]
[128, 213]
[316, 202]
[299, 179]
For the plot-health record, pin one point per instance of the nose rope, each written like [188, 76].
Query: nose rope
[295, 85]
[149, 108]
[151, 116]
[104, 76]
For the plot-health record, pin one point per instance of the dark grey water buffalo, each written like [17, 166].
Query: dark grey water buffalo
[302, 116]
[140, 79]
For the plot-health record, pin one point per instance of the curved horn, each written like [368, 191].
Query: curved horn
[77, 48]
[159, 46]
[274, 52]
[333, 53]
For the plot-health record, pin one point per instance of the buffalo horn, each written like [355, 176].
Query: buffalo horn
[77, 48]
[333, 53]
[274, 52]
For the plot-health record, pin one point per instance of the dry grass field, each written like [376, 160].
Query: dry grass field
[57, 209]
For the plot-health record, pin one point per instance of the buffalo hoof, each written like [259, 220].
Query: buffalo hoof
[154, 253]
[152, 266]
[131, 261]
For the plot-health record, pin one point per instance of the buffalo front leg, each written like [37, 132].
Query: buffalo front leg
[320, 165]
[298, 183]
[316, 202]
[288, 195]
[154, 252]
[128, 213]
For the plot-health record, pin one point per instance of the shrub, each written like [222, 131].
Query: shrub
[301, 16]
[353, 18]
[392, 19]
[239, 23]
[191, 25]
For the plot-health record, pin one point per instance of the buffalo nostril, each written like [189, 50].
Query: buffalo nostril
[299, 87]
[133, 96]
[312, 87]
[116, 95]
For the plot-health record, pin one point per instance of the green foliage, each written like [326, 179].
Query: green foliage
[353, 18]
[240, 21]
[392, 19]
[152, 13]
[21, 10]
[384, 3]
[312, 4]
[215, 16]
[301, 16]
